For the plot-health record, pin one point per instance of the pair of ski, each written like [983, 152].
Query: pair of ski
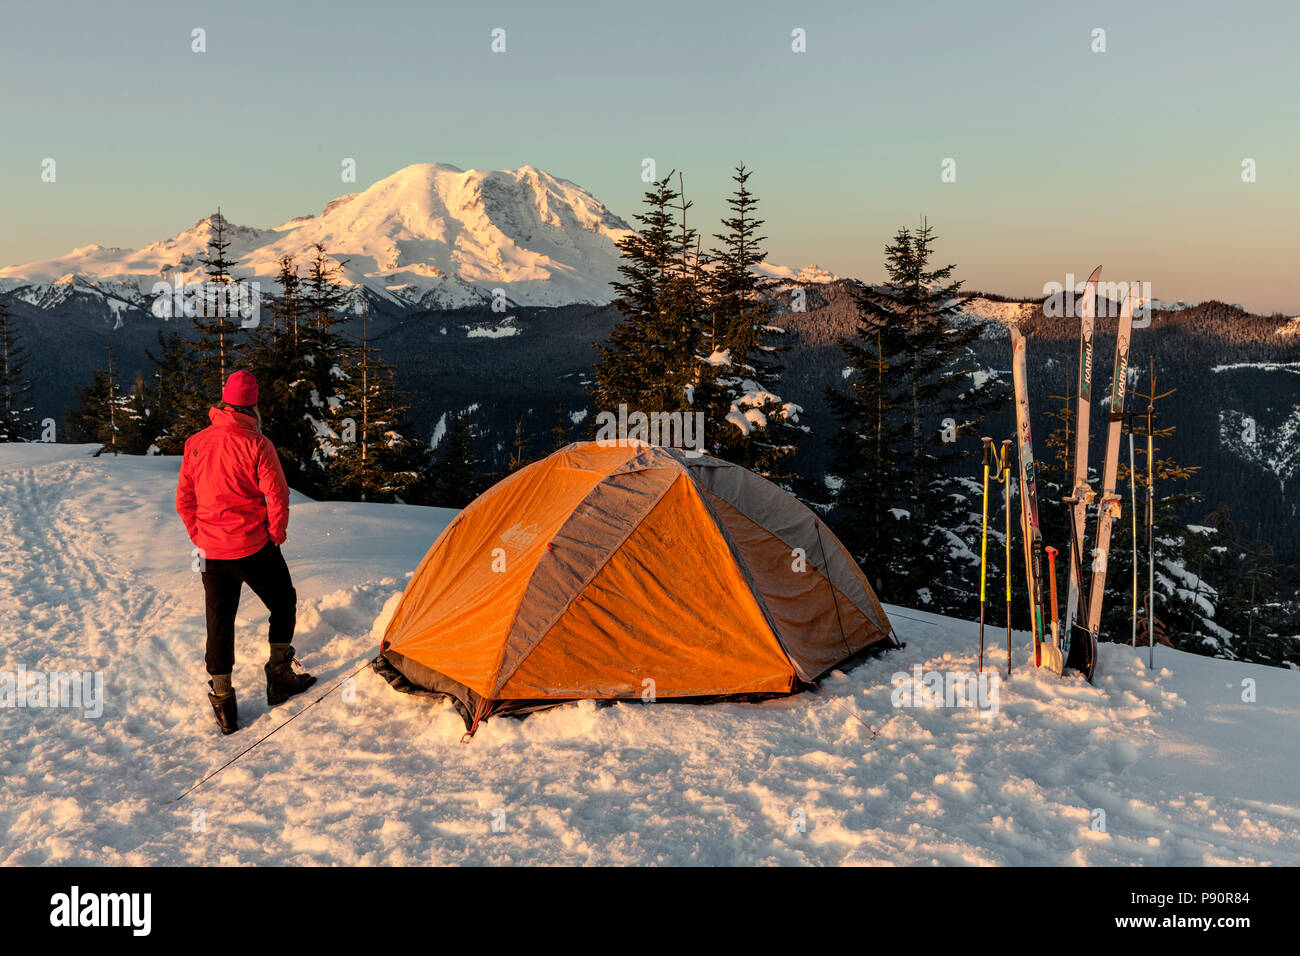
[1078, 650]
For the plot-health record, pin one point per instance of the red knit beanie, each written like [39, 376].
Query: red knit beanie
[241, 389]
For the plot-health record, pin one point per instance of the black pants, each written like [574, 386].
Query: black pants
[268, 576]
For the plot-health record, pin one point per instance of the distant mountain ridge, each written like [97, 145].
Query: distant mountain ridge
[430, 236]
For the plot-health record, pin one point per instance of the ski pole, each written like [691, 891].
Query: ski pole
[1132, 497]
[1006, 489]
[1151, 553]
[984, 547]
[1051, 561]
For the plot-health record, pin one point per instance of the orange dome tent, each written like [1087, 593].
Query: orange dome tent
[621, 572]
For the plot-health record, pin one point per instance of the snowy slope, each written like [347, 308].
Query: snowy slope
[992, 310]
[1271, 437]
[428, 236]
[96, 576]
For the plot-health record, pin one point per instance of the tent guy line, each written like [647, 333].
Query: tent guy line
[341, 681]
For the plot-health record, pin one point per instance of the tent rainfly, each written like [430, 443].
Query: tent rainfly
[629, 571]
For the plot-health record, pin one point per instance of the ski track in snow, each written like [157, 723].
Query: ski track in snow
[96, 576]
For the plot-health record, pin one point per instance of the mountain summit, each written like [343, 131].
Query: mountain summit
[428, 236]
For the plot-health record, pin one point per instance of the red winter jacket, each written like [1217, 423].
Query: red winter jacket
[232, 494]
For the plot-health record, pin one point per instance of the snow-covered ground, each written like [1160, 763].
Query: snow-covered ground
[96, 576]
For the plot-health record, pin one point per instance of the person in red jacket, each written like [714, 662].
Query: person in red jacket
[234, 501]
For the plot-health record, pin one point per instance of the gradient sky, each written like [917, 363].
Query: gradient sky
[1065, 158]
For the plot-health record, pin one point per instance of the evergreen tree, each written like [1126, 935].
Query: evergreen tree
[457, 476]
[284, 385]
[90, 420]
[133, 419]
[560, 432]
[694, 332]
[1256, 613]
[320, 297]
[1184, 600]
[648, 362]
[909, 419]
[323, 297]
[867, 485]
[104, 414]
[171, 394]
[215, 315]
[367, 453]
[747, 422]
[17, 419]
[217, 347]
[520, 454]
[286, 309]
[1241, 615]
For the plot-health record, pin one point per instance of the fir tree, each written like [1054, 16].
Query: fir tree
[457, 476]
[217, 346]
[286, 309]
[17, 421]
[694, 332]
[1222, 593]
[104, 414]
[1255, 613]
[648, 362]
[170, 390]
[304, 370]
[520, 455]
[368, 455]
[560, 432]
[90, 420]
[322, 299]
[1185, 611]
[284, 385]
[215, 314]
[747, 422]
[133, 418]
[909, 420]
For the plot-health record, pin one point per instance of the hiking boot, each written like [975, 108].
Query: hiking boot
[282, 681]
[227, 710]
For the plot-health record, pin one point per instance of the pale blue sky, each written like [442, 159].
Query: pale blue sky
[1065, 157]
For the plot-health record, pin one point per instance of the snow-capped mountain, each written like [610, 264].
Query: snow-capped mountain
[428, 236]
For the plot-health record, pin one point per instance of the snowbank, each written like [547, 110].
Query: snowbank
[97, 577]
